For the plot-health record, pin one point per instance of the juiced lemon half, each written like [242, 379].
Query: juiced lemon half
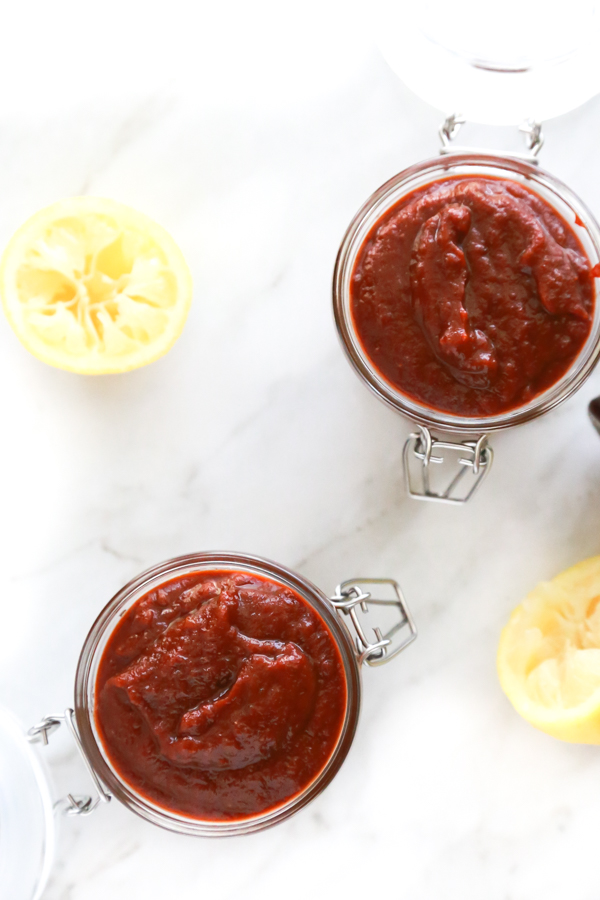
[549, 655]
[93, 286]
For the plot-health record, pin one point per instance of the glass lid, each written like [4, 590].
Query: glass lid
[497, 64]
[27, 828]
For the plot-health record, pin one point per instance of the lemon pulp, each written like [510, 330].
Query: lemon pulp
[549, 655]
[93, 286]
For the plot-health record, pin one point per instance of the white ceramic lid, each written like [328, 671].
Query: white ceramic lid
[27, 825]
[494, 63]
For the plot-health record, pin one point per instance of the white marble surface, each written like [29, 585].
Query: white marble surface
[254, 434]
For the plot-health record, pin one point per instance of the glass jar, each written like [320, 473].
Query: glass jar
[473, 455]
[342, 616]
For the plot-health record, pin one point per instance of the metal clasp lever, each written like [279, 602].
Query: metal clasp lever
[475, 457]
[350, 596]
[534, 139]
[72, 804]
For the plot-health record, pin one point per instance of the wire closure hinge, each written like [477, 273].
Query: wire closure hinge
[72, 804]
[350, 596]
[450, 127]
[421, 450]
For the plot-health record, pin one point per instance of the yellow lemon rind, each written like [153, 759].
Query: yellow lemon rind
[579, 724]
[93, 362]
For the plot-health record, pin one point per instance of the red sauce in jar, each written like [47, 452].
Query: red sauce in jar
[472, 295]
[220, 695]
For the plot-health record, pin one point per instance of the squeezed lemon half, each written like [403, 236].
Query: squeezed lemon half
[549, 655]
[95, 287]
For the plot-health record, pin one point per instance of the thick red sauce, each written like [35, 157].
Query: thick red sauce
[220, 695]
[472, 296]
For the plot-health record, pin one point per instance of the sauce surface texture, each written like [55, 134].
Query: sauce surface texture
[220, 695]
[472, 296]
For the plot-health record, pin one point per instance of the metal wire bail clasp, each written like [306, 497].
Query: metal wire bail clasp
[72, 804]
[450, 127]
[421, 451]
[350, 596]
[448, 130]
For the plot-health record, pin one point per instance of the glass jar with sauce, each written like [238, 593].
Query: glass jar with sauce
[446, 248]
[480, 65]
[219, 693]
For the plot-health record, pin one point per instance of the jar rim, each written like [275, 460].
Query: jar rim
[91, 654]
[546, 186]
